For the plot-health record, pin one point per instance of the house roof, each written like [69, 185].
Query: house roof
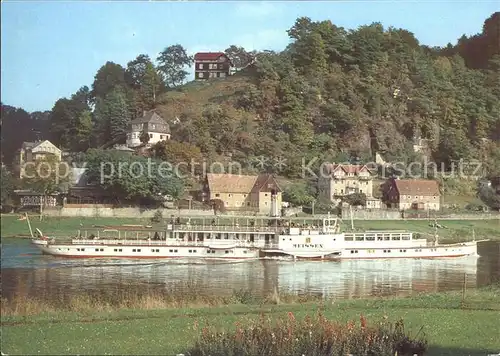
[208, 56]
[348, 168]
[149, 117]
[232, 183]
[26, 145]
[265, 182]
[422, 187]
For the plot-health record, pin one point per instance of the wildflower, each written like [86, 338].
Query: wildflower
[363, 321]
[291, 317]
[195, 325]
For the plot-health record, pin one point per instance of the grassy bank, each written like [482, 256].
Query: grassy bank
[452, 325]
[454, 230]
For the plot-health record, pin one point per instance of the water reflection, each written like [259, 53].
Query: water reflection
[27, 273]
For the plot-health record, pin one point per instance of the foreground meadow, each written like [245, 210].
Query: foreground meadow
[450, 323]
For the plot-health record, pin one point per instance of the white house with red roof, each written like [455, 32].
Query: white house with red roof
[209, 65]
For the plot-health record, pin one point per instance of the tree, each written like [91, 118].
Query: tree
[18, 126]
[355, 199]
[239, 56]
[144, 136]
[184, 156]
[133, 179]
[84, 131]
[7, 185]
[488, 195]
[142, 75]
[297, 195]
[117, 114]
[108, 77]
[172, 61]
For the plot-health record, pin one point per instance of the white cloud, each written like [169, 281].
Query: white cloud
[257, 9]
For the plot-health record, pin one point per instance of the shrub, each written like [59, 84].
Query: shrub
[312, 336]
[157, 217]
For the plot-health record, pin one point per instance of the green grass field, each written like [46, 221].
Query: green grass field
[454, 230]
[451, 325]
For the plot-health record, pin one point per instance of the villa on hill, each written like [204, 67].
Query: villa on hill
[340, 180]
[151, 124]
[209, 65]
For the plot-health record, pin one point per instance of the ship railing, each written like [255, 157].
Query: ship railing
[226, 228]
[169, 242]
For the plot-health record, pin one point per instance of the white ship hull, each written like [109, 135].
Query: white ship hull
[152, 251]
[440, 251]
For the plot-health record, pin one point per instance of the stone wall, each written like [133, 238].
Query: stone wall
[88, 210]
[375, 214]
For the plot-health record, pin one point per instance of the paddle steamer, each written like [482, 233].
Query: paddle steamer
[324, 242]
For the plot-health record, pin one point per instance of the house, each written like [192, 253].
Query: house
[338, 180]
[419, 194]
[151, 124]
[33, 151]
[242, 192]
[211, 65]
[84, 192]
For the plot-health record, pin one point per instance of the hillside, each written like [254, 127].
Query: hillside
[332, 95]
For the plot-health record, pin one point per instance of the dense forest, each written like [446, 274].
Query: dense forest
[332, 94]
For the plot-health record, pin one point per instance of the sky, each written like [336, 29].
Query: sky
[49, 49]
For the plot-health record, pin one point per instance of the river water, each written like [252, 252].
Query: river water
[26, 272]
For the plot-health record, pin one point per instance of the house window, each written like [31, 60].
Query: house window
[229, 195]
[150, 135]
[161, 137]
[217, 195]
[200, 75]
[221, 66]
[200, 66]
[222, 75]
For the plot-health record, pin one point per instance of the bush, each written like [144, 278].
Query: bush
[312, 336]
[157, 217]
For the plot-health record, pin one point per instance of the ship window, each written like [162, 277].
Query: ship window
[194, 251]
[97, 249]
[190, 251]
[133, 250]
[170, 250]
[175, 251]
[245, 251]
[102, 249]
[352, 251]
[227, 251]
[152, 250]
[82, 249]
[120, 250]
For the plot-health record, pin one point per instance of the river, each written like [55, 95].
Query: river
[26, 272]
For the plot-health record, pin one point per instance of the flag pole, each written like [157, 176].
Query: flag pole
[29, 224]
